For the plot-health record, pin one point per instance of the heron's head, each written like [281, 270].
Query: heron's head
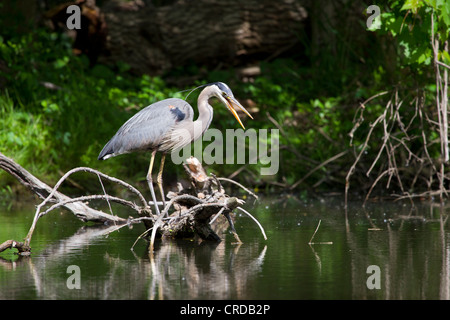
[225, 95]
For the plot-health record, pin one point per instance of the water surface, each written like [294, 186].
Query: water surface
[408, 243]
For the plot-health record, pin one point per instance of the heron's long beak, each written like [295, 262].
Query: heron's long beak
[231, 102]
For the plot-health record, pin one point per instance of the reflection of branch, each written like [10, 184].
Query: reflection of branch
[310, 243]
[317, 257]
[237, 267]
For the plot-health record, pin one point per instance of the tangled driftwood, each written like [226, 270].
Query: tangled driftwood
[193, 210]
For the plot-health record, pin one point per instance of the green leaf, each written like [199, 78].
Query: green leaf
[393, 24]
[445, 57]
[445, 13]
[412, 5]
[61, 63]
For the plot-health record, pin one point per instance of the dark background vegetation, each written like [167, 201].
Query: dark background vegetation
[61, 99]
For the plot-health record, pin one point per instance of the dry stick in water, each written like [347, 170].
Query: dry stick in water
[317, 228]
[233, 230]
[256, 221]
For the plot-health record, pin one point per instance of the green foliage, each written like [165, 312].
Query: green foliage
[57, 112]
[22, 135]
[416, 29]
[410, 22]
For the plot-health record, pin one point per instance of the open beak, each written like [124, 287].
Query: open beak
[231, 102]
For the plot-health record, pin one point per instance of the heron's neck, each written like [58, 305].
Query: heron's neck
[205, 112]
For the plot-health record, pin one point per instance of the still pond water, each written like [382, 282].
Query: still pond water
[408, 245]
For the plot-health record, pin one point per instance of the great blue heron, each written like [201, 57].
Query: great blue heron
[167, 125]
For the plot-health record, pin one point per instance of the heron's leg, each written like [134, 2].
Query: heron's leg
[160, 180]
[150, 182]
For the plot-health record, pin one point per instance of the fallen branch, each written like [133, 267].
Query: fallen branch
[192, 210]
[42, 190]
[67, 201]
[11, 244]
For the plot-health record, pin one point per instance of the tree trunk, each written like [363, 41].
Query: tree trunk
[208, 33]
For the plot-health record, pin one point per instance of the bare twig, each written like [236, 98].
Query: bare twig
[104, 192]
[256, 221]
[443, 64]
[314, 234]
[363, 149]
[441, 103]
[217, 215]
[92, 197]
[195, 211]
[333, 158]
[238, 184]
[388, 171]
[67, 201]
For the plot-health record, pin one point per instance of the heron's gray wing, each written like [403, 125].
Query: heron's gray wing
[146, 129]
[181, 135]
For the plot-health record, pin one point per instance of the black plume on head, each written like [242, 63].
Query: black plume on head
[222, 86]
